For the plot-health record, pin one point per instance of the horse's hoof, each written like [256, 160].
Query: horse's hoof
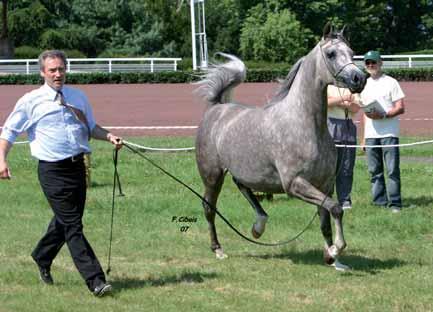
[340, 266]
[330, 254]
[219, 253]
[254, 233]
[327, 257]
[259, 227]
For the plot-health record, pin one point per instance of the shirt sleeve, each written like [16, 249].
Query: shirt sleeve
[88, 112]
[396, 92]
[17, 122]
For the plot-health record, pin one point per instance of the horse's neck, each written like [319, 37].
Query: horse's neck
[307, 96]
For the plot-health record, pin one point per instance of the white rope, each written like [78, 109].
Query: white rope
[148, 127]
[154, 127]
[156, 149]
[193, 148]
[160, 149]
[390, 145]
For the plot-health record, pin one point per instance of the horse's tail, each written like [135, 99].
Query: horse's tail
[220, 79]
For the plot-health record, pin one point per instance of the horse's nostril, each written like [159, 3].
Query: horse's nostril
[356, 78]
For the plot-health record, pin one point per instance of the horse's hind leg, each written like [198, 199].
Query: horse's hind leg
[213, 184]
[261, 216]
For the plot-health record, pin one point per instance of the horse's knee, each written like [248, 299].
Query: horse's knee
[337, 211]
[209, 211]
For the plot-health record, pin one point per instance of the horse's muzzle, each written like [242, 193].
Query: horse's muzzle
[357, 81]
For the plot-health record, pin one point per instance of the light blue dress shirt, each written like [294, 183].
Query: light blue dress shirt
[53, 130]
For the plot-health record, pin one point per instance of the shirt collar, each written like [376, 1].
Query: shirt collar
[51, 92]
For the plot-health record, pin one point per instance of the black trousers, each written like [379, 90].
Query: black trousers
[64, 185]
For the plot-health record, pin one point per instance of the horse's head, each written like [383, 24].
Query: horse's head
[337, 57]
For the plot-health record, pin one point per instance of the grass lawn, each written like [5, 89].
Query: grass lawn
[161, 265]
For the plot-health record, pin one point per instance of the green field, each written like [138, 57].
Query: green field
[161, 265]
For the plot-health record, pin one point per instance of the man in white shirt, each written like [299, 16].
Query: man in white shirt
[59, 122]
[382, 127]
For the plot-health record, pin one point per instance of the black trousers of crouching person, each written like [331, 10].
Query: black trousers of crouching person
[64, 185]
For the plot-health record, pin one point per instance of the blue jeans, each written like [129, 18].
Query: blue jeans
[344, 178]
[378, 158]
[344, 133]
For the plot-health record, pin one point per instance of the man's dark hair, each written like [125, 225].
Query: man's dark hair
[51, 54]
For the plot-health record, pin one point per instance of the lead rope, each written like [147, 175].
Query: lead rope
[214, 208]
[116, 181]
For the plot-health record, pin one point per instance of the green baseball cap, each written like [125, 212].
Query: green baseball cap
[372, 55]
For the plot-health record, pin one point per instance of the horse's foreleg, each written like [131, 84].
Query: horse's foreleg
[325, 227]
[304, 190]
[261, 217]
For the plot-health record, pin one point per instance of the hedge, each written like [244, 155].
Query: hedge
[253, 75]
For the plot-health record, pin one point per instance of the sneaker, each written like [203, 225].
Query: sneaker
[395, 209]
[45, 275]
[347, 205]
[102, 289]
[339, 266]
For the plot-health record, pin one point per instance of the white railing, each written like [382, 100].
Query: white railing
[111, 65]
[401, 61]
[86, 65]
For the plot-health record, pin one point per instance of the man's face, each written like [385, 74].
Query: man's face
[373, 67]
[54, 72]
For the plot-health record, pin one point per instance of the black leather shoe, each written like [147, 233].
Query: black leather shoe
[45, 276]
[102, 289]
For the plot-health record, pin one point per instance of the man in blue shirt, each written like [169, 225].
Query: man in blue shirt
[59, 123]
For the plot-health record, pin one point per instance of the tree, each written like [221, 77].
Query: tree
[223, 26]
[274, 36]
[403, 25]
[6, 45]
[28, 23]
[274, 30]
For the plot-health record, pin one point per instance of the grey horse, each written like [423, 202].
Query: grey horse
[283, 147]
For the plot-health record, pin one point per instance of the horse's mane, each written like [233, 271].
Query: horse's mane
[285, 84]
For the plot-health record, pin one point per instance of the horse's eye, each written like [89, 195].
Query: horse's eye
[330, 54]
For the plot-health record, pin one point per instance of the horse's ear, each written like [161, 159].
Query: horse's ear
[343, 32]
[327, 30]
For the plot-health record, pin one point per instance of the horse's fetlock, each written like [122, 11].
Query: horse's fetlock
[327, 257]
[215, 247]
[341, 245]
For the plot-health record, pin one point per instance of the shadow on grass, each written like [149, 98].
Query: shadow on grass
[94, 184]
[186, 277]
[411, 202]
[357, 262]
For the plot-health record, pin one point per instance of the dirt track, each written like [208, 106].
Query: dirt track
[176, 105]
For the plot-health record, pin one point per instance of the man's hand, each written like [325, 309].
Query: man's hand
[115, 140]
[5, 146]
[375, 115]
[4, 171]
